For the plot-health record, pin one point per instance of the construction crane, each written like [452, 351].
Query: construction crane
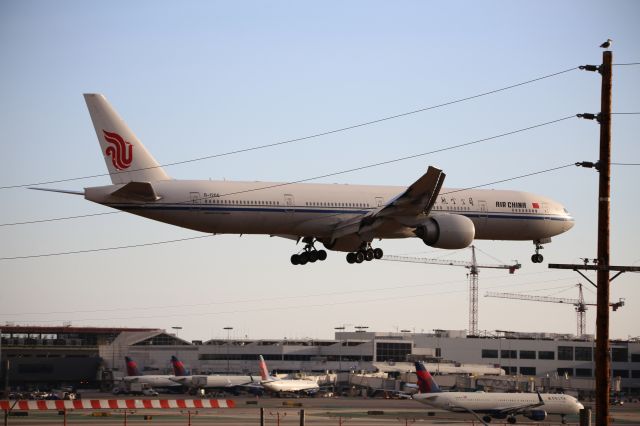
[473, 267]
[579, 304]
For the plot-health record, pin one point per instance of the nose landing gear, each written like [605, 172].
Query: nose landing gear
[309, 254]
[365, 253]
[537, 257]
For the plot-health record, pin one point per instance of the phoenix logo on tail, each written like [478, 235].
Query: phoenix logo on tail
[121, 152]
[426, 384]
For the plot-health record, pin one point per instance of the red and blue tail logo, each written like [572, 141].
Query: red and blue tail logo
[178, 367]
[132, 367]
[426, 384]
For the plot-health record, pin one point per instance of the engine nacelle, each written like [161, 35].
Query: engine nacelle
[536, 415]
[447, 231]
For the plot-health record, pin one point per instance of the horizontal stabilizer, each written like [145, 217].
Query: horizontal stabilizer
[137, 191]
[64, 191]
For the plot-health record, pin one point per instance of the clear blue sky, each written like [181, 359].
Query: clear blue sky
[200, 78]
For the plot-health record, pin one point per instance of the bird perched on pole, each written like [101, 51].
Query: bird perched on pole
[606, 44]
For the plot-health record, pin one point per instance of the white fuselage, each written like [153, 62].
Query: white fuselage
[481, 402]
[302, 209]
[216, 381]
[153, 380]
[290, 385]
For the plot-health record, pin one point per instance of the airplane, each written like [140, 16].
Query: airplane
[344, 218]
[273, 384]
[212, 381]
[534, 406]
[154, 380]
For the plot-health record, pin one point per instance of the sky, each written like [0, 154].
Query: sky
[199, 78]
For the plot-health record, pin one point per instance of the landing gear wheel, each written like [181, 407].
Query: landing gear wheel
[295, 259]
[486, 419]
[351, 258]
[304, 258]
[313, 256]
[377, 253]
[322, 255]
[359, 257]
[537, 258]
[368, 255]
[511, 420]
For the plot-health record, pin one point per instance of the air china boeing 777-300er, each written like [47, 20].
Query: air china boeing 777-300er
[344, 218]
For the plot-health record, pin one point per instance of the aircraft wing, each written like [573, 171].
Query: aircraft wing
[417, 199]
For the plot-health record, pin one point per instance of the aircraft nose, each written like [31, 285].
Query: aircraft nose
[569, 223]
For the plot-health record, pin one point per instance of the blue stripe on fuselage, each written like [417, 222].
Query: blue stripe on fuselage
[300, 209]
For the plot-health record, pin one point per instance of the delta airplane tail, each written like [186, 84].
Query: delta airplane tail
[178, 367]
[126, 157]
[132, 367]
[426, 384]
[264, 372]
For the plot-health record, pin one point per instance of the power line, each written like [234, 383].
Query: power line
[396, 160]
[104, 248]
[409, 157]
[205, 236]
[298, 306]
[510, 179]
[304, 138]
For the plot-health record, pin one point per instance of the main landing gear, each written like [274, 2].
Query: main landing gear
[309, 254]
[537, 257]
[365, 253]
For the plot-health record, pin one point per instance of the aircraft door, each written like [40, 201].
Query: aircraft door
[195, 199]
[289, 203]
[379, 201]
[483, 214]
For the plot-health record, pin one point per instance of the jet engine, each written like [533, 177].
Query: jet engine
[536, 415]
[447, 231]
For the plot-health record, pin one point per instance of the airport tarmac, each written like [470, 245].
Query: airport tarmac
[318, 411]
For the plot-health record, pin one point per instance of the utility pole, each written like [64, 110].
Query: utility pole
[603, 357]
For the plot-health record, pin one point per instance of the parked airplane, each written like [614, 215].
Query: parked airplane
[344, 218]
[154, 380]
[534, 406]
[274, 384]
[213, 381]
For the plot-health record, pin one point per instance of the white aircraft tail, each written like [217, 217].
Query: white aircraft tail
[126, 157]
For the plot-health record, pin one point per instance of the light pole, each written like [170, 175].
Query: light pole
[339, 349]
[177, 328]
[228, 334]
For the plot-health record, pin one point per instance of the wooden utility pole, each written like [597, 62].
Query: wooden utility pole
[602, 356]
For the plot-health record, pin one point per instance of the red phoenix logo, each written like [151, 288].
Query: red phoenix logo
[121, 151]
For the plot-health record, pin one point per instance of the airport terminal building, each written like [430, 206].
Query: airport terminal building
[564, 361]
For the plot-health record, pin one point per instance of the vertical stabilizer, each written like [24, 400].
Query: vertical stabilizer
[426, 384]
[126, 157]
[264, 372]
[178, 367]
[132, 367]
